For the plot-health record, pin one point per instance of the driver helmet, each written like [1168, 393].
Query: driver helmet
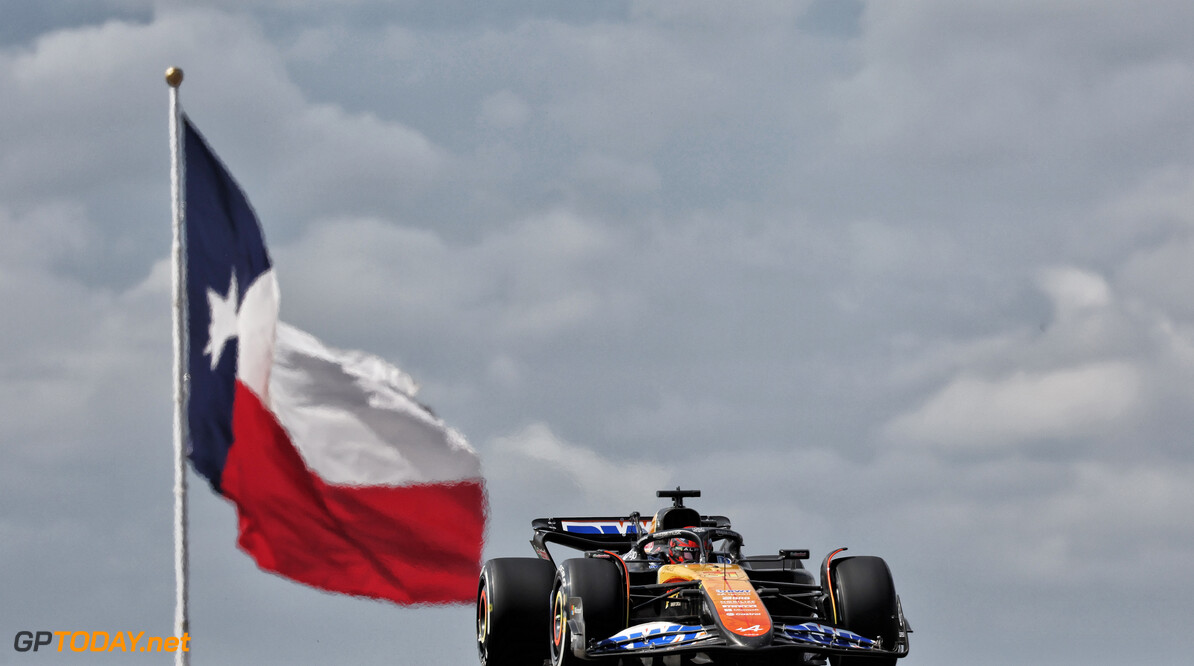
[683, 551]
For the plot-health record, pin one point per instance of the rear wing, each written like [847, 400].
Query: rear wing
[616, 533]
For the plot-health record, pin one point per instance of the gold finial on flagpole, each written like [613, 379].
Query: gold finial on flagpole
[174, 77]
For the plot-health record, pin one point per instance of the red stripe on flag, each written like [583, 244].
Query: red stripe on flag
[408, 544]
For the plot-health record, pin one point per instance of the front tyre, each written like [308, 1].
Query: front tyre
[512, 607]
[599, 586]
[866, 605]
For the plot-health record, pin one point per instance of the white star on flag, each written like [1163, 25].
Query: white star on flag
[223, 325]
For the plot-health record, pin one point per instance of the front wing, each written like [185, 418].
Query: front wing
[658, 638]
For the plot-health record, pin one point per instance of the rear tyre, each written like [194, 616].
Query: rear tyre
[599, 585]
[513, 603]
[866, 605]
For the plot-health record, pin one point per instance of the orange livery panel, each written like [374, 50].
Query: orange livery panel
[728, 588]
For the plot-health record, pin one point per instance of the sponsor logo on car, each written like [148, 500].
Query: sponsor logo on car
[653, 634]
[820, 634]
[722, 572]
[621, 527]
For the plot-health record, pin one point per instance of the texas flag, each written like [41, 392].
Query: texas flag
[341, 479]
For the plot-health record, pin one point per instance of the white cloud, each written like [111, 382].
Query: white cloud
[1070, 524]
[1073, 290]
[294, 157]
[348, 162]
[535, 279]
[1058, 93]
[1103, 362]
[1023, 407]
[550, 466]
[1088, 320]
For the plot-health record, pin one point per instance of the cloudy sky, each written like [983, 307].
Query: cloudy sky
[908, 276]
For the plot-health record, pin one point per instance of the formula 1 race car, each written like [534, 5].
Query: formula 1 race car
[676, 590]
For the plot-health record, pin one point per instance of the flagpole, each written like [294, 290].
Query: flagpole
[177, 175]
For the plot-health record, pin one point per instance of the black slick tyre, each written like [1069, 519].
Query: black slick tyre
[866, 604]
[513, 606]
[599, 585]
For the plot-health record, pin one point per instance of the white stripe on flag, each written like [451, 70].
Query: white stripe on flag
[353, 418]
